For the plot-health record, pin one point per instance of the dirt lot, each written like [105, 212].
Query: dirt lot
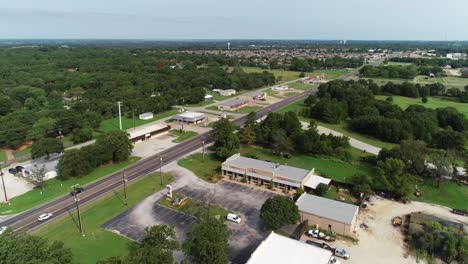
[383, 243]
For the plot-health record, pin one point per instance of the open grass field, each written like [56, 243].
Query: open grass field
[448, 82]
[247, 109]
[302, 86]
[452, 81]
[399, 63]
[328, 167]
[434, 102]
[448, 194]
[204, 169]
[2, 155]
[330, 74]
[98, 243]
[56, 187]
[21, 153]
[295, 107]
[127, 122]
[282, 74]
[181, 136]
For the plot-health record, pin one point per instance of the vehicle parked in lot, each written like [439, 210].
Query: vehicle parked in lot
[320, 235]
[76, 191]
[233, 218]
[44, 217]
[334, 260]
[12, 171]
[19, 168]
[342, 253]
[3, 229]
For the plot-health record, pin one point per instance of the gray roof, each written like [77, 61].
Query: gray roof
[277, 169]
[327, 208]
[234, 102]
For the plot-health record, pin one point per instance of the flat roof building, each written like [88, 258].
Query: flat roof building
[328, 214]
[280, 249]
[144, 133]
[263, 172]
[227, 92]
[146, 116]
[190, 117]
[233, 104]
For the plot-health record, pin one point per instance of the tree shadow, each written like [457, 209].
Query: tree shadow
[118, 196]
[73, 218]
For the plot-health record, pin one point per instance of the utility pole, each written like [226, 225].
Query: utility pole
[124, 180]
[77, 203]
[3, 182]
[133, 117]
[120, 115]
[203, 149]
[160, 169]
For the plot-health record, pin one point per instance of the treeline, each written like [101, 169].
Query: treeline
[397, 71]
[53, 91]
[413, 90]
[440, 62]
[354, 101]
[443, 244]
[111, 147]
[309, 65]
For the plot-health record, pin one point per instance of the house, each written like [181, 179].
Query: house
[262, 172]
[146, 116]
[144, 133]
[190, 117]
[227, 92]
[280, 249]
[233, 104]
[328, 214]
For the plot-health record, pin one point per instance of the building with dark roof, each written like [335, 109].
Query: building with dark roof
[328, 214]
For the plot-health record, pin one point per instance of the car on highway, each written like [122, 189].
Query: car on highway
[44, 217]
[233, 218]
[3, 229]
[342, 253]
[76, 191]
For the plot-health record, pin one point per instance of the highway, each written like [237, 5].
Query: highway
[27, 221]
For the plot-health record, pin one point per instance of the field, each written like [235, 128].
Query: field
[181, 136]
[282, 74]
[448, 82]
[247, 109]
[21, 153]
[330, 74]
[449, 194]
[97, 242]
[204, 169]
[56, 187]
[301, 86]
[434, 102]
[2, 155]
[127, 122]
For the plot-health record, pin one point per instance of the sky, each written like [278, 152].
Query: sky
[235, 19]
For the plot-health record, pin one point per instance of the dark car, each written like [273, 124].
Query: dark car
[12, 171]
[76, 191]
[19, 169]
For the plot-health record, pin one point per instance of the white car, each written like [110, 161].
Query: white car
[340, 252]
[3, 229]
[233, 218]
[333, 260]
[44, 217]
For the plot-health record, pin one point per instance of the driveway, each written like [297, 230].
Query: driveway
[242, 200]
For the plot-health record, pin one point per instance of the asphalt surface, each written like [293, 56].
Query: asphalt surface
[27, 221]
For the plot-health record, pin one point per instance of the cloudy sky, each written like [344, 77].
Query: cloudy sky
[235, 19]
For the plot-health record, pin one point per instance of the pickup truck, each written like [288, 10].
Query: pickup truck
[319, 235]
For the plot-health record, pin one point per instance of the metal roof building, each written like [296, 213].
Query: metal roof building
[233, 104]
[328, 214]
[280, 249]
[190, 117]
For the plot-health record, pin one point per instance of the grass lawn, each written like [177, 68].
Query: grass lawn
[127, 122]
[400, 63]
[449, 194]
[21, 153]
[196, 209]
[2, 155]
[334, 194]
[97, 242]
[56, 187]
[203, 169]
[181, 136]
[302, 86]
[433, 102]
[247, 109]
[330, 74]
[284, 75]
[452, 81]
[328, 167]
[295, 107]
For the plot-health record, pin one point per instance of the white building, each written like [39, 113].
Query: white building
[280, 88]
[146, 116]
[144, 133]
[280, 249]
[190, 117]
[227, 92]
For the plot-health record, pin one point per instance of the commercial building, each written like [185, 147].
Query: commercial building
[227, 92]
[328, 214]
[233, 104]
[280, 249]
[280, 88]
[264, 173]
[190, 117]
[142, 134]
[146, 116]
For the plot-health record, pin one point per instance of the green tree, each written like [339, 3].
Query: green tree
[279, 211]
[226, 140]
[157, 246]
[38, 174]
[82, 135]
[42, 128]
[413, 153]
[116, 144]
[20, 248]
[362, 183]
[322, 189]
[441, 162]
[45, 147]
[207, 242]
[424, 100]
[74, 163]
[392, 177]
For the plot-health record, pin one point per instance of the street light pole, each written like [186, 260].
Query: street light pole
[160, 169]
[3, 182]
[125, 188]
[77, 203]
[203, 149]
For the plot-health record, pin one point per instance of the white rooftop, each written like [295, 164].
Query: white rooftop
[190, 114]
[315, 180]
[143, 131]
[280, 249]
